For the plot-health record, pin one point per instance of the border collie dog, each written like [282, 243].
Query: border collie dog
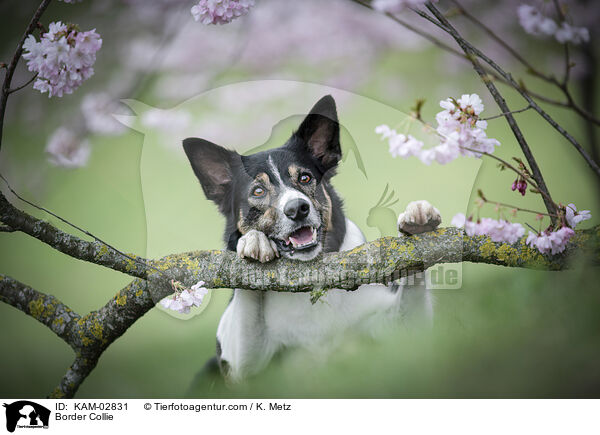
[280, 203]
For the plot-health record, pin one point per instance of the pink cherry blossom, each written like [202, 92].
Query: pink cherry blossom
[553, 242]
[534, 23]
[182, 301]
[98, 110]
[540, 241]
[460, 131]
[404, 146]
[483, 226]
[220, 11]
[458, 220]
[575, 35]
[470, 104]
[574, 217]
[427, 156]
[504, 231]
[498, 230]
[385, 131]
[62, 59]
[396, 6]
[560, 238]
[67, 150]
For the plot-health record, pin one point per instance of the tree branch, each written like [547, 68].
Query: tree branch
[72, 380]
[588, 86]
[529, 67]
[510, 81]
[569, 104]
[93, 252]
[44, 308]
[379, 261]
[535, 170]
[562, 85]
[10, 70]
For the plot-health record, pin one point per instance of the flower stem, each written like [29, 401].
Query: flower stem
[503, 204]
[507, 113]
[24, 85]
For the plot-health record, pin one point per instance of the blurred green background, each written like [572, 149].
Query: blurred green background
[505, 333]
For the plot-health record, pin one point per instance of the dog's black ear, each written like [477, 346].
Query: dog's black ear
[213, 165]
[320, 131]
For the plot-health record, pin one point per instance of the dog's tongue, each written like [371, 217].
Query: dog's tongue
[302, 236]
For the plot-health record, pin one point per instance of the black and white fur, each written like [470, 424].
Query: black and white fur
[281, 203]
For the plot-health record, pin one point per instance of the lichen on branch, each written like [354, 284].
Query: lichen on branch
[379, 261]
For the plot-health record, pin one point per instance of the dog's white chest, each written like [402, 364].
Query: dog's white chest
[292, 320]
[254, 325]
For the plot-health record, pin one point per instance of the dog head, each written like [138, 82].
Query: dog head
[283, 192]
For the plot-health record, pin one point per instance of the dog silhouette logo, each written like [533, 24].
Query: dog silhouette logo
[26, 414]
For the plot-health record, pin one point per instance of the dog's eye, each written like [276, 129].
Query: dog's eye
[304, 178]
[258, 191]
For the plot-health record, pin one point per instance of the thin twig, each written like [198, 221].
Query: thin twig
[508, 79]
[435, 41]
[416, 30]
[5, 92]
[536, 173]
[523, 174]
[562, 85]
[506, 113]
[530, 68]
[10, 91]
[562, 19]
[588, 86]
[504, 162]
[503, 204]
[45, 210]
[468, 47]
[570, 103]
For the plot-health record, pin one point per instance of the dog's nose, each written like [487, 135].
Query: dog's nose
[296, 209]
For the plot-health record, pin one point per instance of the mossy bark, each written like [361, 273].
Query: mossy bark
[379, 261]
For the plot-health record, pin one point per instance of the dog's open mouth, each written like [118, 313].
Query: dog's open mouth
[302, 238]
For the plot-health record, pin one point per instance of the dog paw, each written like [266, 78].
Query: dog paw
[256, 245]
[419, 217]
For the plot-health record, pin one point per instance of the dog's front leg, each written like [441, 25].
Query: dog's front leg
[416, 299]
[256, 245]
[419, 217]
[244, 344]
